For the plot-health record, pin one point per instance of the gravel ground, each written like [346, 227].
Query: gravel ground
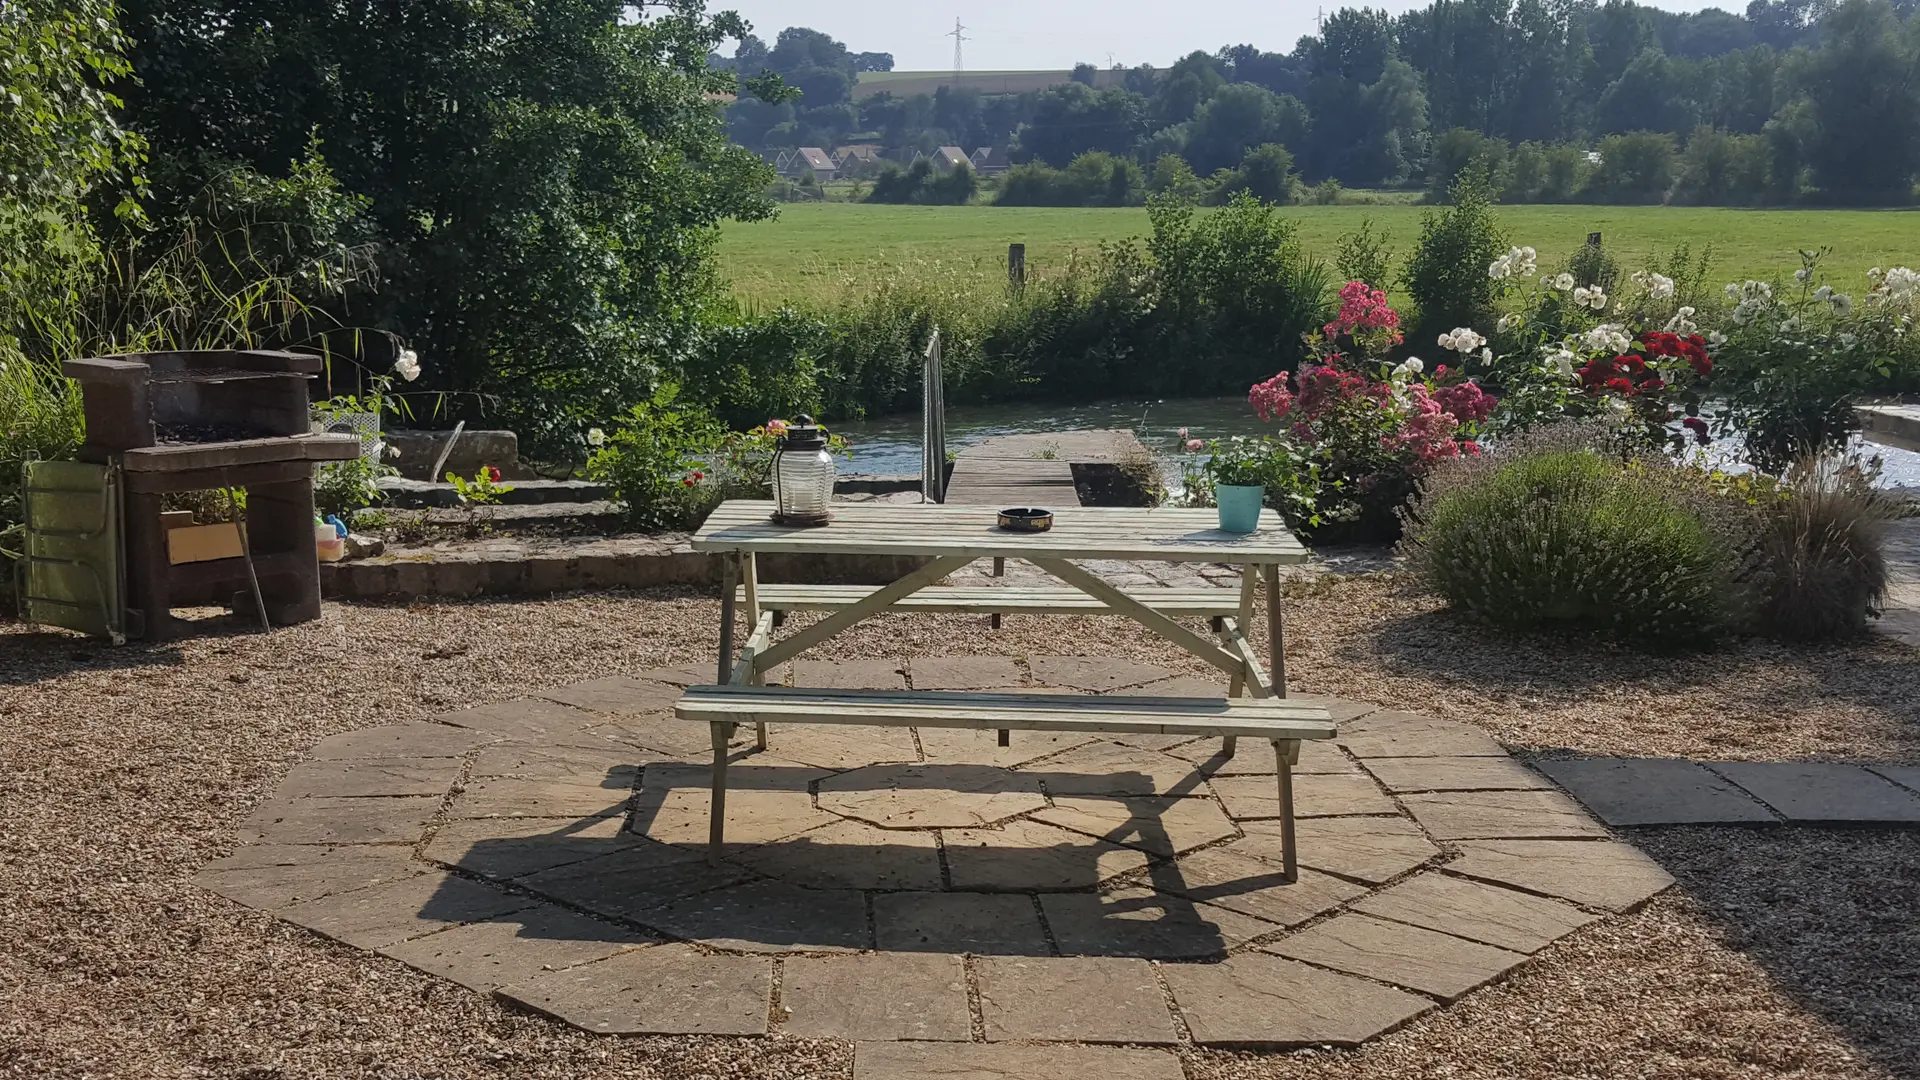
[1787, 953]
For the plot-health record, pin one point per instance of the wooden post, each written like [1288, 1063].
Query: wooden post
[1593, 239]
[1276, 644]
[726, 619]
[1286, 754]
[1017, 266]
[717, 824]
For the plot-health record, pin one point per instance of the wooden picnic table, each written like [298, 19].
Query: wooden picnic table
[951, 537]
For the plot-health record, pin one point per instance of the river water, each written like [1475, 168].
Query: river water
[891, 444]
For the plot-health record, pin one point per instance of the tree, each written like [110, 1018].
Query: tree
[1072, 119]
[544, 178]
[1863, 91]
[1238, 118]
[1266, 173]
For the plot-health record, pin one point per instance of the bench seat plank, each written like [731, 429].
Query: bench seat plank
[1204, 601]
[1263, 718]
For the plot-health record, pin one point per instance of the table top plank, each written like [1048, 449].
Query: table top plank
[1168, 534]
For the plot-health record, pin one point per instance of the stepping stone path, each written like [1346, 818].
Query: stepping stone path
[1674, 791]
[1064, 906]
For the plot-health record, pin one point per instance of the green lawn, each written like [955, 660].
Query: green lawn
[821, 251]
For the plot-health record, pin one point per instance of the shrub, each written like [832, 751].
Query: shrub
[1460, 153]
[1555, 538]
[40, 418]
[1092, 179]
[1822, 568]
[654, 461]
[1363, 255]
[1266, 173]
[923, 185]
[1635, 168]
[1447, 273]
[749, 367]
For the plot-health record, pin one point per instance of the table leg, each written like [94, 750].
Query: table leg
[1276, 648]
[750, 575]
[1286, 752]
[999, 570]
[717, 825]
[726, 620]
[1249, 586]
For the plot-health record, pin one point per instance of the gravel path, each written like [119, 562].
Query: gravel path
[1788, 953]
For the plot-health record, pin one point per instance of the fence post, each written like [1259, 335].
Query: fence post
[1593, 239]
[1017, 266]
[933, 426]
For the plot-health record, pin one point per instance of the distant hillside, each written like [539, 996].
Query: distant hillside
[908, 83]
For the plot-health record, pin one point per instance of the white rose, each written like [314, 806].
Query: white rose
[1415, 365]
[1446, 341]
[1802, 274]
[1563, 282]
[596, 437]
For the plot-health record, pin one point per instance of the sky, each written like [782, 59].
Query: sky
[1054, 34]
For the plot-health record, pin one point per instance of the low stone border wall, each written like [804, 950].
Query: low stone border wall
[530, 566]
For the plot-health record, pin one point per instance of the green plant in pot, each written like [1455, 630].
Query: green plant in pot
[1237, 471]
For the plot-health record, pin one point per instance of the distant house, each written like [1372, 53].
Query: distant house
[863, 159]
[991, 160]
[949, 158]
[810, 160]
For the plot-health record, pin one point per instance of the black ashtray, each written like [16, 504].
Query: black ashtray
[1026, 519]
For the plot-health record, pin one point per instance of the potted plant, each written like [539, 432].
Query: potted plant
[1237, 473]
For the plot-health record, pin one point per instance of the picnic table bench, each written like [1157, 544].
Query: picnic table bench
[951, 537]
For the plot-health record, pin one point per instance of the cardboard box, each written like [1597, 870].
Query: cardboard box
[203, 543]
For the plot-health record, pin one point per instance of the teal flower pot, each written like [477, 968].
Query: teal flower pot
[1239, 506]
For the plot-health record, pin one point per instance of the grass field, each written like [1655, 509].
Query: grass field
[821, 252]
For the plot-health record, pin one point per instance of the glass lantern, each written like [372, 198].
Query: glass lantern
[803, 475]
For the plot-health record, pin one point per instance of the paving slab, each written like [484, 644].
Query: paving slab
[1163, 826]
[515, 947]
[370, 778]
[1825, 794]
[525, 719]
[1141, 922]
[663, 990]
[1425, 960]
[1907, 776]
[681, 675]
[1393, 734]
[964, 672]
[1098, 674]
[957, 746]
[401, 740]
[1256, 1001]
[513, 797]
[1089, 999]
[876, 996]
[1010, 1061]
[616, 695]
[280, 875]
[635, 882]
[765, 802]
[340, 821]
[504, 848]
[1239, 882]
[665, 734]
[1477, 911]
[850, 855]
[1344, 712]
[1255, 758]
[846, 674]
[1181, 686]
[1314, 795]
[1107, 768]
[768, 917]
[609, 762]
[930, 796]
[1403, 775]
[1371, 849]
[1029, 856]
[1654, 791]
[958, 922]
[397, 910]
[833, 746]
[1473, 815]
[1596, 873]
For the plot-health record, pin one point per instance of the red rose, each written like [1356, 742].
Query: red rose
[1623, 386]
[493, 474]
[1655, 383]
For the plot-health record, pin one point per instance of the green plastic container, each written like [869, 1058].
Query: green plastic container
[1239, 506]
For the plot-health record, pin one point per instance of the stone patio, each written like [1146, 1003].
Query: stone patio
[942, 902]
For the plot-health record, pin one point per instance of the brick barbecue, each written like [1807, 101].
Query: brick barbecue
[192, 421]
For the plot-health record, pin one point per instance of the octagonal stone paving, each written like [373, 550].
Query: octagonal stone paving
[616, 695]
[507, 848]
[371, 778]
[268, 876]
[767, 800]
[1398, 734]
[769, 917]
[1091, 999]
[401, 740]
[1263, 1002]
[1425, 960]
[1138, 921]
[1032, 856]
[961, 746]
[1598, 873]
[930, 796]
[1098, 674]
[1256, 887]
[851, 855]
[1107, 768]
[665, 989]
[964, 672]
[834, 746]
[1163, 826]
[1478, 912]
[516, 946]
[876, 996]
[1370, 849]
[958, 922]
[1474, 815]
[1314, 795]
